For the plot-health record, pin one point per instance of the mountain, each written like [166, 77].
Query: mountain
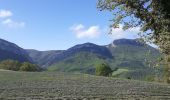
[128, 54]
[136, 57]
[10, 50]
[43, 58]
[128, 57]
[132, 53]
[48, 58]
[133, 42]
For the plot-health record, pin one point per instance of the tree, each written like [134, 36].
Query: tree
[10, 65]
[18, 66]
[103, 70]
[29, 67]
[152, 16]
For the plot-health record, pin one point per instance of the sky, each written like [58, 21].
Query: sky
[57, 24]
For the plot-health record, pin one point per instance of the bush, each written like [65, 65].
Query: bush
[10, 65]
[103, 69]
[29, 67]
[17, 66]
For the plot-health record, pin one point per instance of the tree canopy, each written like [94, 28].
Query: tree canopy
[28, 67]
[152, 16]
[10, 65]
[103, 69]
[18, 66]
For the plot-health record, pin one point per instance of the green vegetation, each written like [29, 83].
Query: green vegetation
[125, 56]
[10, 65]
[28, 67]
[83, 62]
[103, 69]
[16, 85]
[152, 16]
[138, 74]
[17, 66]
[119, 71]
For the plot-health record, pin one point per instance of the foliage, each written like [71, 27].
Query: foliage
[125, 56]
[82, 62]
[28, 67]
[17, 66]
[103, 69]
[152, 16]
[10, 65]
[167, 70]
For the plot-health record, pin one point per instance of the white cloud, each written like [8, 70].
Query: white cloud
[5, 13]
[81, 32]
[118, 33]
[13, 24]
[8, 22]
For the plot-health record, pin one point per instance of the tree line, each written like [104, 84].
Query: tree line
[18, 66]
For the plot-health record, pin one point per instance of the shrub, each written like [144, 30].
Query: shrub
[17, 66]
[103, 69]
[29, 67]
[10, 65]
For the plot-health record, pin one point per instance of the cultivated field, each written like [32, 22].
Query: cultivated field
[60, 86]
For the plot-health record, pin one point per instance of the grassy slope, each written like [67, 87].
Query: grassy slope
[134, 59]
[119, 71]
[52, 85]
[84, 62]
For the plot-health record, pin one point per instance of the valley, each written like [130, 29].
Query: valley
[84, 50]
[70, 74]
[127, 54]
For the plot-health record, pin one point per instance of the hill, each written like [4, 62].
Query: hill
[123, 53]
[48, 58]
[132, 53]
[128, 54]
[135, 56]
[62, 86]
[10, 50]
[43, 58]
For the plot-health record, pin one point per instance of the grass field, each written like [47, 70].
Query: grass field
[61, 86]
[119, 71]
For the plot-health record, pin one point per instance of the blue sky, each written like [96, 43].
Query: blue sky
[56, 24]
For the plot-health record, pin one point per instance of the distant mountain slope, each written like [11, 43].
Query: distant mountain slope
[133, 42]
[43, 58]
[48, 58]
[92, 48]
[81, 62]
[132, 53]
[123, 53]
[10, 50]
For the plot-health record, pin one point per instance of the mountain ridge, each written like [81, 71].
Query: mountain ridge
[122, 53]
[12, 51]
[104, 51]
